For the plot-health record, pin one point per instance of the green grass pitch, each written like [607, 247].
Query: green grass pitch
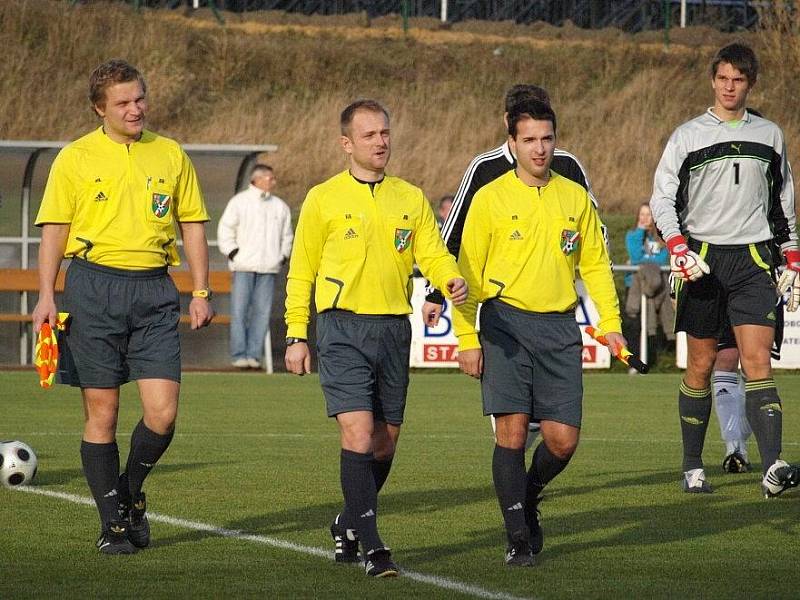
[256, 455]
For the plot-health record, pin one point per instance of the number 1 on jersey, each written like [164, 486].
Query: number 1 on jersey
[736, 173]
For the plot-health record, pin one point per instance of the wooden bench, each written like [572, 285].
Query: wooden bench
[27, 280]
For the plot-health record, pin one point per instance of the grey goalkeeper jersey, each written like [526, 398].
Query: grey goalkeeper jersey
[725, 184]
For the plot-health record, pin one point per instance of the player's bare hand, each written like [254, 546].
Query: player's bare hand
[298, 358]
[431, 311]
[200, 312]
[457, 290]
[45, 310]
[615, 342]
[471, 362]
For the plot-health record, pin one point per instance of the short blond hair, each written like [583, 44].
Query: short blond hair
[110, 73]
[367, 104]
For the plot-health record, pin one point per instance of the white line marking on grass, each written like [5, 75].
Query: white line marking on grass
[432, 436]
[655, 441]
[435, 580]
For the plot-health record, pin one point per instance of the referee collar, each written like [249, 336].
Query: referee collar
[146, 136]
[372, 184]
[553, 175]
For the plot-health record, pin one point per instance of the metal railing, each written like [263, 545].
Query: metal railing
[629, 15]
[643, 316]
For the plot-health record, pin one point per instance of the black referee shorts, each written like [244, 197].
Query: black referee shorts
[363, 363]
[123, 326]
[740, 290]
[531, 364]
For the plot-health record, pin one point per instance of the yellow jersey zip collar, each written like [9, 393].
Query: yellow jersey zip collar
[372, 184]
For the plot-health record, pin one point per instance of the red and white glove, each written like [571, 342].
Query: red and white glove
[684, 263]
[789, 281]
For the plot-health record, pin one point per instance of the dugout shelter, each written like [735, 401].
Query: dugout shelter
[222, 169]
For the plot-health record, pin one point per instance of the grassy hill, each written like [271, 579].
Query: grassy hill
[279, 78]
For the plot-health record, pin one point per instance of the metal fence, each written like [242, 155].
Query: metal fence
[629, 15]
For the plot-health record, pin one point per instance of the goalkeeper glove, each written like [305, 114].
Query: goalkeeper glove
[684, 263]
[789, 281]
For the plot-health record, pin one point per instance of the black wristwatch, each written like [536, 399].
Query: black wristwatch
[294, 340]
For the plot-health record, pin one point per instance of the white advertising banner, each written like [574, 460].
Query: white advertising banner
[790, 349]
[438, 346]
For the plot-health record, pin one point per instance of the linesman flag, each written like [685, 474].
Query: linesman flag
[625, 355]
[46, 359]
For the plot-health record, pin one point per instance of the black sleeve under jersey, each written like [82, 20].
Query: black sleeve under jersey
[568, 167]
[477, 176]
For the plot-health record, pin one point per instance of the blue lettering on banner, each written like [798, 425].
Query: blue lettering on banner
[445, 324]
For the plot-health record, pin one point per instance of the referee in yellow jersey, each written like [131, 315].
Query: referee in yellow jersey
[524, 236]
[110, 205]
[358, 237]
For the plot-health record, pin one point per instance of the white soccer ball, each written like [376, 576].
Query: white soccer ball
[18, 463]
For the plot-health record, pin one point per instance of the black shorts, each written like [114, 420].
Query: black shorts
[363, 363]
[531, 364]
[123, 326]
[728, 340]
[740, 290]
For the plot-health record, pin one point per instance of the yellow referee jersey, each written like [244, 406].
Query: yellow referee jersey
[122, 201]
[522, 244]
[358, 246]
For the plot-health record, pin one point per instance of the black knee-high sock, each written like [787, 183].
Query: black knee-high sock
[508, 472]
[101, 468]
[694, 407]
[360, 497]
[544, 467]
[380, 471]
[765, 414]
[147, 447]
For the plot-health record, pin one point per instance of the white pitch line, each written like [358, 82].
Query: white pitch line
[432, 436]
[435, 580]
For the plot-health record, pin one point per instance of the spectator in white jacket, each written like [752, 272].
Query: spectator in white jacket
[255, 233]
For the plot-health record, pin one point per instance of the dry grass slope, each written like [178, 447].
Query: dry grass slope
[272, 77]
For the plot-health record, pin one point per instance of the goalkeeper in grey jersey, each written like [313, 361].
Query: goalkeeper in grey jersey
[723, 195]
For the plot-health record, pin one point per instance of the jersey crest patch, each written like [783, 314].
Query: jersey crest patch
[402, 239]
[160, 205]
[570, 241]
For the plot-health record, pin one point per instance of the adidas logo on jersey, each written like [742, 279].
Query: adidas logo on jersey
[350, 234]
[100, 197]
[515, 236]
